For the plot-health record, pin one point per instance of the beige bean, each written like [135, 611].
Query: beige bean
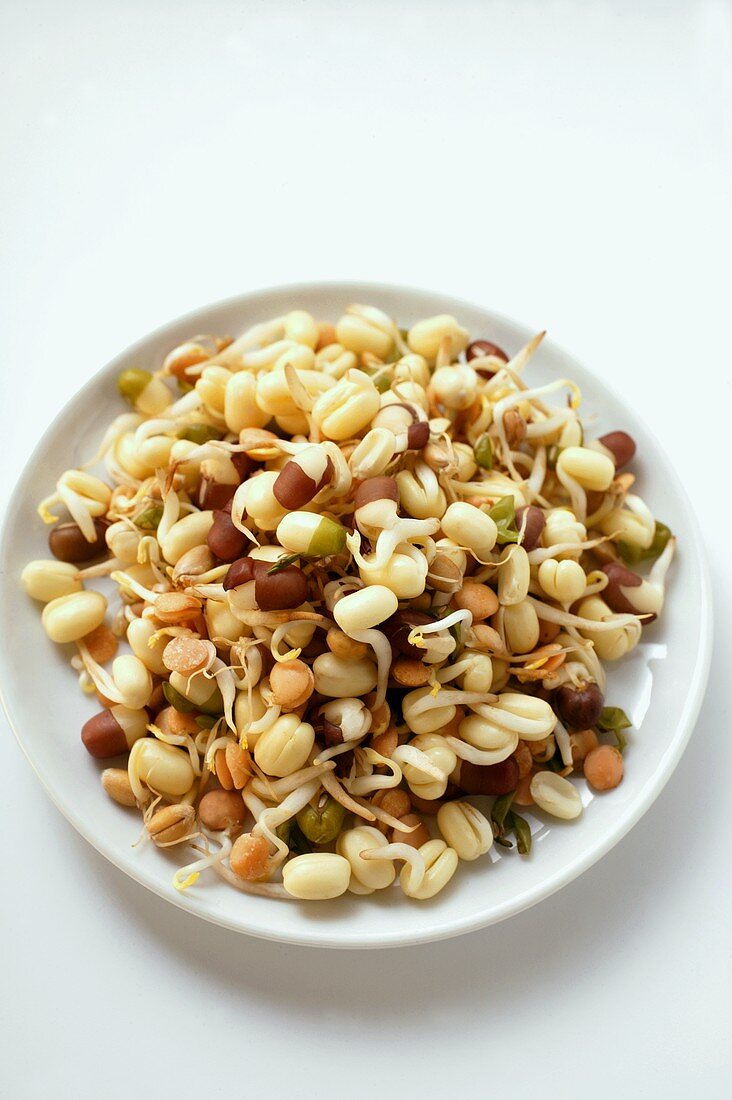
[69, 618]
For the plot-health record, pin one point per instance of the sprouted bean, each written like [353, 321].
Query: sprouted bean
[366, 574]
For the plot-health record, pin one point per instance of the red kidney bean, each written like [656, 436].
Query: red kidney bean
[225, 540]
[489, 779]
[67, 543]
[479, 348]
[376, 488]
[579, 708]
[534, 525]
[621, 446]
[103, 736]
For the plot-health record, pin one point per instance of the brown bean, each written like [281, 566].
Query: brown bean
[376, 488]
[240, 572]
[491, 779]
[579, 708]
[294, 488]
[279, 591]
[480, 348]
[225, 540]
[220, 810]
[418, 435]
[399, 627]
[621, 446]
[67, 543]
[214, 494]
[618, 578]
[535, 524]
[103, 736]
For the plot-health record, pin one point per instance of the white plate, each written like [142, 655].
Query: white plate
[660, 685]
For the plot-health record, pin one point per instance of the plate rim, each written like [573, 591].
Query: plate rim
[450, 927]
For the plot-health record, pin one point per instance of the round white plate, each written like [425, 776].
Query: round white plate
[660, 685]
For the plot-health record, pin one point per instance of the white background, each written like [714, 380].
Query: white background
[563, 162]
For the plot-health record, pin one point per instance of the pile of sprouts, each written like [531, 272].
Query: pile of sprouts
[368, 579]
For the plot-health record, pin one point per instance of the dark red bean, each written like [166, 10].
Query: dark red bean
[480, 348]
[418, 435]
[242, 463]
[67, 543]
[240, 572]
[272, 591]
[376, 488]
[619, 577]
[579, 708]
[534, 525]
[294, 488]
[225, 540]
[279, 591]
[489, 779]
[399, 627]
[103, 736]
[621, 446]
[215, 494]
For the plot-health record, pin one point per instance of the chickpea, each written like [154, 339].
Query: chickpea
[292, 684]
[416, 838]
[249, 858]
[603, 768]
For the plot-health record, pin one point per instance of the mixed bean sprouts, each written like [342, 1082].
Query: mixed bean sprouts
[365, 576]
